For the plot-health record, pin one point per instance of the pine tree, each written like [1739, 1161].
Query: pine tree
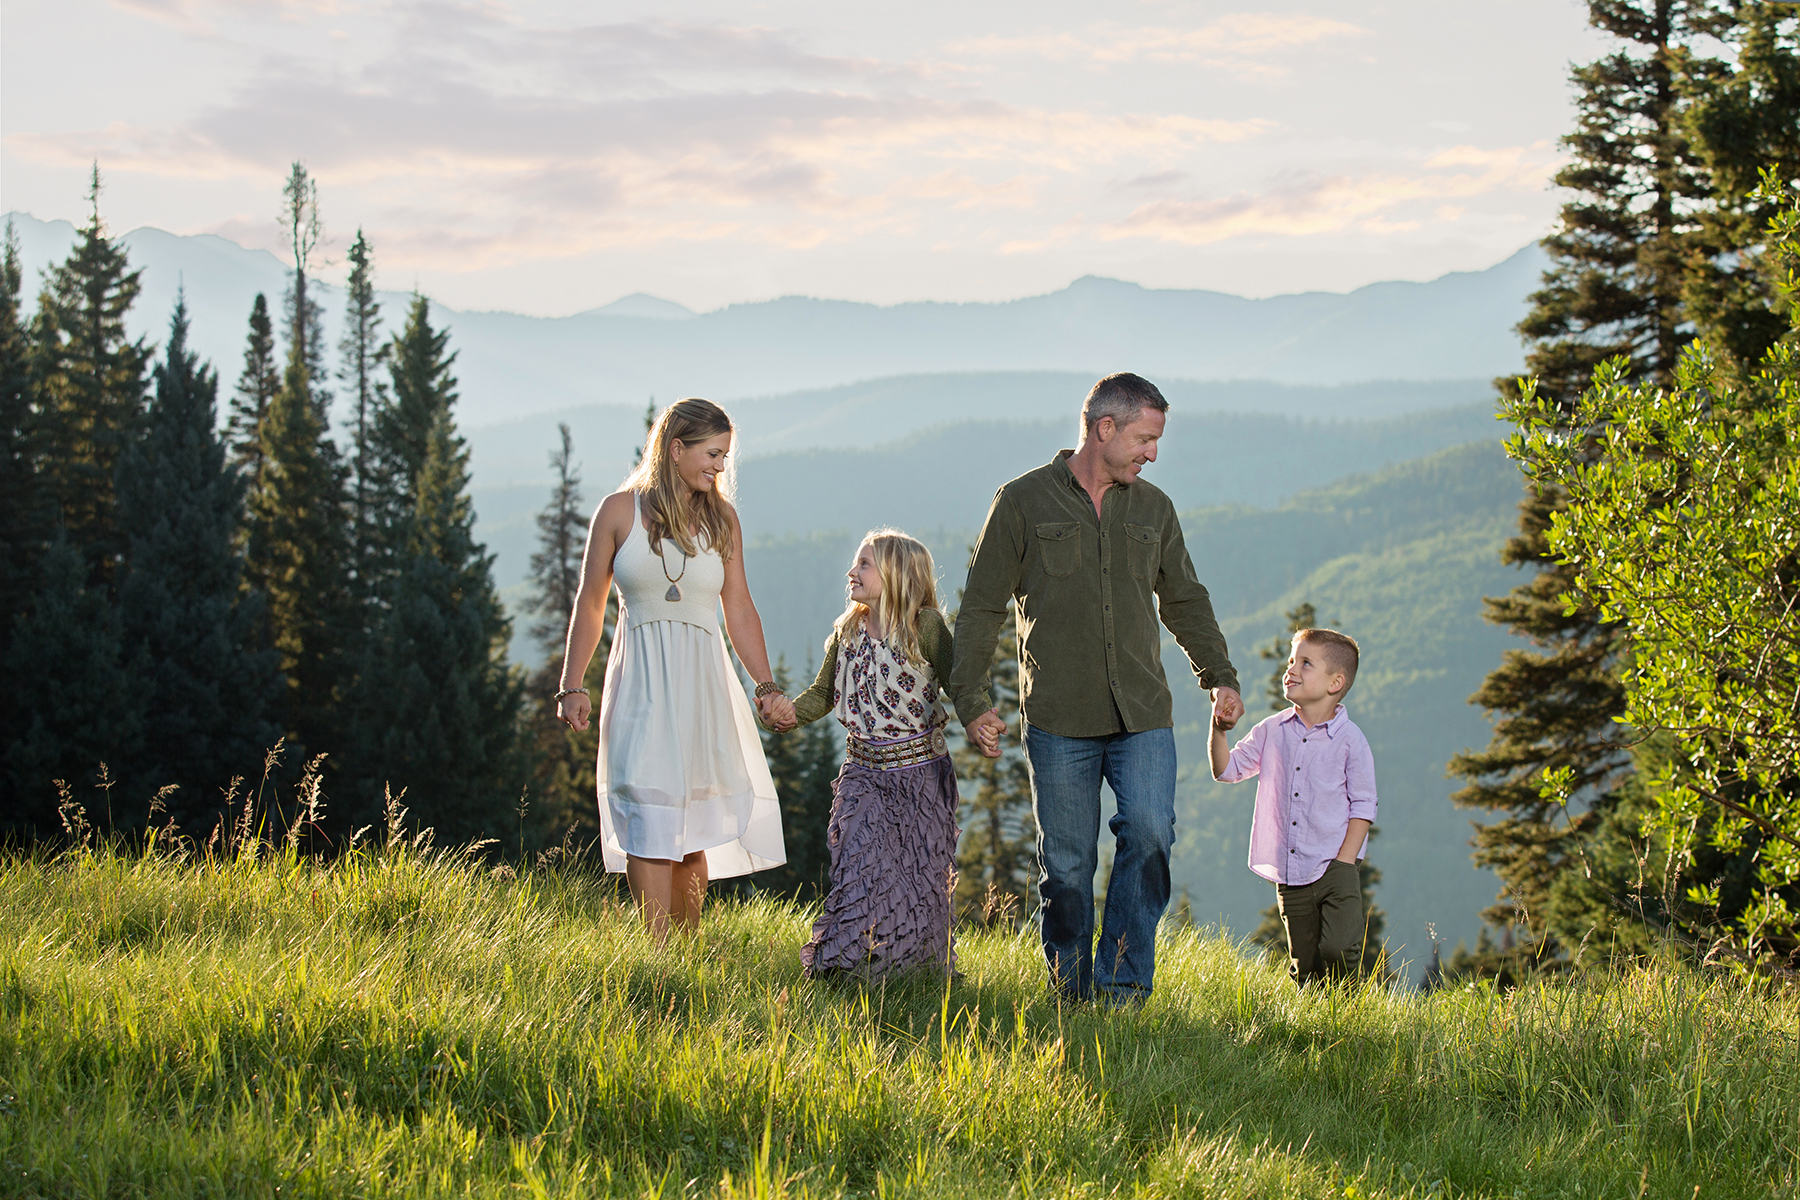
[563, 786]
[1614, 289]
[79, 712]
[90, 386]
[305, 315]
[297, 556]
[804, 763]
[362, 353]
[190, 632]
[25, 532]
[256, 387]
[996, 857]
[419, 363]
[1742, 119]
[438, 708]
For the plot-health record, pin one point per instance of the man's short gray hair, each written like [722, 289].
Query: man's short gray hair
[1122, 396]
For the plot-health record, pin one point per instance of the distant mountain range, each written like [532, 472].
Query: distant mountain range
[1458, 327]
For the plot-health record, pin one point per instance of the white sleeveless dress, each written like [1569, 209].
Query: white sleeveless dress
[681, 765]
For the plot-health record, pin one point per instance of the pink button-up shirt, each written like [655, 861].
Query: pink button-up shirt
[1310, 784]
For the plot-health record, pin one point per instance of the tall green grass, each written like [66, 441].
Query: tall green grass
[408, 1022]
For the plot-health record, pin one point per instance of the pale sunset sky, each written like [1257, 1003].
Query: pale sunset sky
[548, 157]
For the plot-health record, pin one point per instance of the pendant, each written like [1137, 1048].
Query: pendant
[673, 594]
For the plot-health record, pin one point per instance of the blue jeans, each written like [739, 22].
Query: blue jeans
[1065, 796]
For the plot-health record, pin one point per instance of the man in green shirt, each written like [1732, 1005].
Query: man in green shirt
[1094, 556]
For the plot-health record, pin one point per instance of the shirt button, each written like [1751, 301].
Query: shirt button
[1296, 822]
[1296, 793]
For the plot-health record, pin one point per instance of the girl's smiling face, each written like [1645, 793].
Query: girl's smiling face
[865, 577]
[698, 465]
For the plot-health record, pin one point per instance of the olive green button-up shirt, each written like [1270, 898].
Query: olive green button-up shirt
[1090, 590]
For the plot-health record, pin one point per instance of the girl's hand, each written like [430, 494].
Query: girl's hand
[573, 710]
[776, 712]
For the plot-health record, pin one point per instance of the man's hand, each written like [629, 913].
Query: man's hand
[1228, 707]
[985, 731]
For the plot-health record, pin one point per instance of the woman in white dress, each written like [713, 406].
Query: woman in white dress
[685, 794]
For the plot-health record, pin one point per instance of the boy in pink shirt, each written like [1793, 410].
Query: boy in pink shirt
[1315, 801]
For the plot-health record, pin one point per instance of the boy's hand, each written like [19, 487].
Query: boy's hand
[1228, 708]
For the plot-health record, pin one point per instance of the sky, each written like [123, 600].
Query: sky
[549, 157]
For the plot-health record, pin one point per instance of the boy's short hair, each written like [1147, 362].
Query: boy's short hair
[1339, 649]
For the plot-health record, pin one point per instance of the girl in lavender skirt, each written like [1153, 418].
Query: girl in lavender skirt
[893, 817]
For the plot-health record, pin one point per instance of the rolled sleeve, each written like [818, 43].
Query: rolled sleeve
[993, 577]
[1359, 775]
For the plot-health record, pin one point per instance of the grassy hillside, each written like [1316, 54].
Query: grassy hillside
[406, 1024]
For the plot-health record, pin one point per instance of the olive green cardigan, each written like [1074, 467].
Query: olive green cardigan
[934, 644]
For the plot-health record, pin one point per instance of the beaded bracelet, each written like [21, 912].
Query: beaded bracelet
[769, 687]
[570, 692]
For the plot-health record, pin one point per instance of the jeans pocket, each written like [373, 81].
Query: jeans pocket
[1143, 548]
[1060, 544]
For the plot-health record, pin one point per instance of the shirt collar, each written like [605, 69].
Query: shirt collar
[1061, 465]
[1331, 725]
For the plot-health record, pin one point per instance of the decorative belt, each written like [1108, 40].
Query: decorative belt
[892, 756]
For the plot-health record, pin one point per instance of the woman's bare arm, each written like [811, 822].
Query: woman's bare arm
[744, 625]
[610, 526]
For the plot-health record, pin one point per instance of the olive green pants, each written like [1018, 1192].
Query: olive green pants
[1324, 923]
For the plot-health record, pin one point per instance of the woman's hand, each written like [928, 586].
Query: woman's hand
[776, 711]
[573, 710]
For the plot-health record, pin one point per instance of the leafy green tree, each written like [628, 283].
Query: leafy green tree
[1614, 290]
[564, 800]
[205, 683]
[437, 708]
[256, 387]
[996, 857]
[804, 763]
[1681, 526]
[90, 387]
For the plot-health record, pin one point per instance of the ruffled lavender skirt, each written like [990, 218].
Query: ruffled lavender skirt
[893, 851]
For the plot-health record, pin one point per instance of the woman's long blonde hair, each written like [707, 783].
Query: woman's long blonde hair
[671, 507]
[908, 586]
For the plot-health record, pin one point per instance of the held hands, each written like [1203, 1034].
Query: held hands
[1228, 707]
[986, 730]
[776, 712]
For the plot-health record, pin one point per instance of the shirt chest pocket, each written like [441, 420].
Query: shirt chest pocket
[1060, 544]
[1143, 549]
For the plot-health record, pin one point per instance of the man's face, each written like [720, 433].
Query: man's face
[1131, 446]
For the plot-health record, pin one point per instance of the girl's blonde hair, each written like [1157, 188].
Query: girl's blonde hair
[908, 586]
[671, 508]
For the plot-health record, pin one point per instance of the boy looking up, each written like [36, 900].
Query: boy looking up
[1315, 801]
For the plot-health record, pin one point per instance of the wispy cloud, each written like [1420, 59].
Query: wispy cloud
[1303, 203]
[1244, 43]
[508, 140]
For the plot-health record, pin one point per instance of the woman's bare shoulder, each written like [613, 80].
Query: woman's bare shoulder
[614, 513]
